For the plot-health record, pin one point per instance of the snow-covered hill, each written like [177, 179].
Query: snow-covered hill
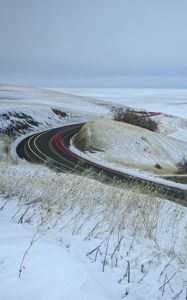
[129, 146]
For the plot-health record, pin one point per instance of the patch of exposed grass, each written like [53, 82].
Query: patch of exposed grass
[182, 166]
[17, 123]
[59, 112]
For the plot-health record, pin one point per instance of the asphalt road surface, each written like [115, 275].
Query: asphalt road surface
[51, 147]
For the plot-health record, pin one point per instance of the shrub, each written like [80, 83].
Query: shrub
[158, 166]
[132, 117]
[60, 113]
[182, 166]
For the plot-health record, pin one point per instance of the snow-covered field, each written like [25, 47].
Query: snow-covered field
[170, 101]
[64, 236]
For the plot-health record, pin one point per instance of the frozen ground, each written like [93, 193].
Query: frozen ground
[141, 240]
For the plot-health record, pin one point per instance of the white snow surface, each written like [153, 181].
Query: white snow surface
[57, 266]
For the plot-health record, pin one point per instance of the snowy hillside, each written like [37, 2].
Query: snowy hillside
[130, 146]
[64, 236]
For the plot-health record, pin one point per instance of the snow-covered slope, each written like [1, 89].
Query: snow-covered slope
[77, 225]
[54, 269]
[169, 101]
[39, 99]
[130, 146]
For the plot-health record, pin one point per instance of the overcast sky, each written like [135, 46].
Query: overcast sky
[94, 43]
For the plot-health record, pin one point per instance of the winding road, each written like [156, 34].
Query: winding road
[51, 147]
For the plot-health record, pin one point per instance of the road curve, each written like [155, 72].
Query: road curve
[51, 147]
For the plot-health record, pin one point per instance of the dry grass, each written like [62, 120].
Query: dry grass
[84, 205]
[116, 217]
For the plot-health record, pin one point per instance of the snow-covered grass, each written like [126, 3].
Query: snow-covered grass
[98, 200]
[127, 146]
[69, 216]
[64, 236]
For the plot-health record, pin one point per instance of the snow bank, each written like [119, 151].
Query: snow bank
[52, 270]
